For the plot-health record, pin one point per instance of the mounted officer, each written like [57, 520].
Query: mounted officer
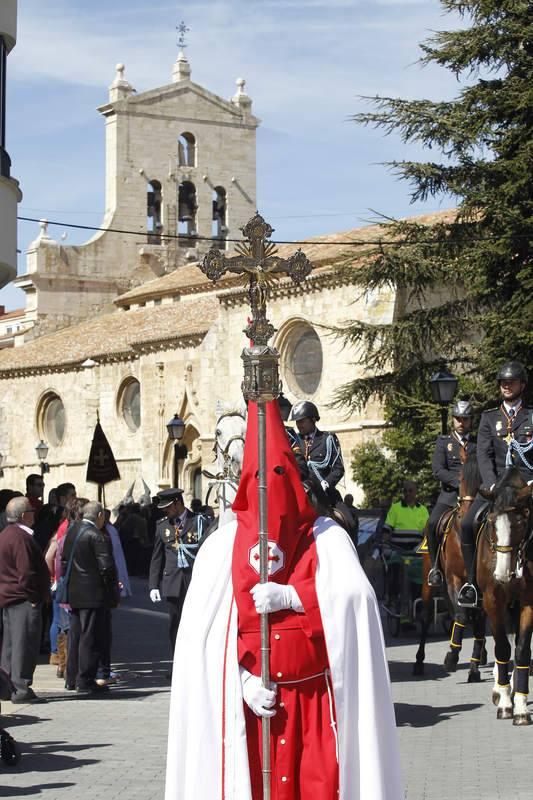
[320, 450]
[449, 456]
[177, 539]
[501, 432]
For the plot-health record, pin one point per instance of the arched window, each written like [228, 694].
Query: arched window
[186, 150]
[219, 228]
[51, 419]
[302, 359]
[187, 208]
[129, 403]
[154, 224]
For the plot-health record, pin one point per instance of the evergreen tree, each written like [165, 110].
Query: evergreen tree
[464, 285]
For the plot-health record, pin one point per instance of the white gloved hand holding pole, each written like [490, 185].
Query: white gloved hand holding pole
[260, 700]
[325, 485]
[155, 597]
[270, 597]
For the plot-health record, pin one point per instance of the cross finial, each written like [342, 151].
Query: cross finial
[182, 30]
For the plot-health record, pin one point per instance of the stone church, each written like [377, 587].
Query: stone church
[126, 326]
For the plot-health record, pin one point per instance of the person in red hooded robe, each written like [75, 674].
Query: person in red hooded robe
[332, 721]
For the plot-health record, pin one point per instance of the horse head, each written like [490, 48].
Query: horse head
[229, 439]
[508, 523]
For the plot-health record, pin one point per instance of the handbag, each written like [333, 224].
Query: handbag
[62, 582]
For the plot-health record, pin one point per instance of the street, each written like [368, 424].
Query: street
[115, 746]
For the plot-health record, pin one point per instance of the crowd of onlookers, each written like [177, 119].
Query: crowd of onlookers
[63, 568]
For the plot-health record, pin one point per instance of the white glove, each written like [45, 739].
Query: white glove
[325, 485]
[270, 597]
[260, 700]
[155, 597]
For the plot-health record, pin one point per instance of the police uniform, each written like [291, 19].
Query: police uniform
[175, 548]
[450, 453]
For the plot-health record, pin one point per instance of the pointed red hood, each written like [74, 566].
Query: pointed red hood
[290, 514]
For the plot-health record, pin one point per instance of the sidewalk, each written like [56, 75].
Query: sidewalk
[114, 747]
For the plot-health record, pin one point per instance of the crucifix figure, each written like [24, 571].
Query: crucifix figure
[257, 261]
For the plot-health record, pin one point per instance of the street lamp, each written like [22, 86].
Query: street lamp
[176, 429]
[443, 388]
[2, 462]
[42, 451]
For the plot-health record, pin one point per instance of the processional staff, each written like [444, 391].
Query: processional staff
[258, 263]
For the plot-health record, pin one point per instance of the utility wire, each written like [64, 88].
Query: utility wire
[185, 236]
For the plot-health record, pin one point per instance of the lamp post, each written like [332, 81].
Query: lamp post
[42, 451]
[2, 462]
[176, 430]
[443, 388]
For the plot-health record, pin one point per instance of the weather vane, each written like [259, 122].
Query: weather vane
[183, 30]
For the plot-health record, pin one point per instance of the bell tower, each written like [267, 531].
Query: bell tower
[180, 174]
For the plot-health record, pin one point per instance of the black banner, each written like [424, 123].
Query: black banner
[101, 467]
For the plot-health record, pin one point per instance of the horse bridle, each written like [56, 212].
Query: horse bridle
[226, 475]
[520, 546]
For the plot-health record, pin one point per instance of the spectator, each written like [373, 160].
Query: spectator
[35, 491]
[24, 587]
[60, 618]
[404, 527]
[118, 555]
[91, 593]
[348, 502]
[5, 496]
[196, 505]
[133, 529]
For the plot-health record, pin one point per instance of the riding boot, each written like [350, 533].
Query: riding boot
[435, 577]
[467, 596]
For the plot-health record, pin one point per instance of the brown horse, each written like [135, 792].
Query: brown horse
[505, 577]
[453, 568]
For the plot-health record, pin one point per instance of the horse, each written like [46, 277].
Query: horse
[453, 567]
[228, 451]
[504, 571]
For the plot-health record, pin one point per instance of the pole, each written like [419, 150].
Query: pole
[444, 419]
[263, 578]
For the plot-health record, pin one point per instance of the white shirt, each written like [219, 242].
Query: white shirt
[25, 528]
[515, 409]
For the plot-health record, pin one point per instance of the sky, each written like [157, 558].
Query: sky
[307, 64]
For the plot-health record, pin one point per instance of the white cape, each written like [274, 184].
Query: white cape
[206, 698]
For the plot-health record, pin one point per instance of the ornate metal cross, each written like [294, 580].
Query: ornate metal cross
[258, 263]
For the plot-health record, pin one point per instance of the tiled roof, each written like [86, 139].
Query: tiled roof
[118, 333]
[323, 251]
[18, 312]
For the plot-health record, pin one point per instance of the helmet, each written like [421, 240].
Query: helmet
[462, 408]
[302, 409]
[512, 371]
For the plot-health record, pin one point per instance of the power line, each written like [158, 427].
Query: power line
[311, 242]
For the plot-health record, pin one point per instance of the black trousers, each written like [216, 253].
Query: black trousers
[467, 525]
[22, 638]
[89, 638]
[174, 608]
[436, 514]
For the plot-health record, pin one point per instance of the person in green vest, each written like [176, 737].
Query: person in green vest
[404, 530]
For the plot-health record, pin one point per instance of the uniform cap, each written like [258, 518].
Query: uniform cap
[303, 409]
[462, 408]
[512, 371]
[166, 497]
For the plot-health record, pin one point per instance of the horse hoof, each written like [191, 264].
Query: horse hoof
[475, 677]
[450, 662]
[522, 719]
[495, 698]
[505, 713]
[483, 659]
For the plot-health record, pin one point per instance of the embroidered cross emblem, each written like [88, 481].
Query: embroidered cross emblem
[276, 558]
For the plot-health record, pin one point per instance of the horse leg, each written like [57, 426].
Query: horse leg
[501, 693]
[456, 640]
[478, 651]
[425, 622]
[522, 662]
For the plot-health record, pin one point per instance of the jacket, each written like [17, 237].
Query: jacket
[93, 581]
[24, 575]
[447, 466]
[492, 445]
[174, 553]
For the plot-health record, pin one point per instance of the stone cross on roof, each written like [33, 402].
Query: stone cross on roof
[259, 265]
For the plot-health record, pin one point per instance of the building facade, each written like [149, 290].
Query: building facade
[127, 328]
